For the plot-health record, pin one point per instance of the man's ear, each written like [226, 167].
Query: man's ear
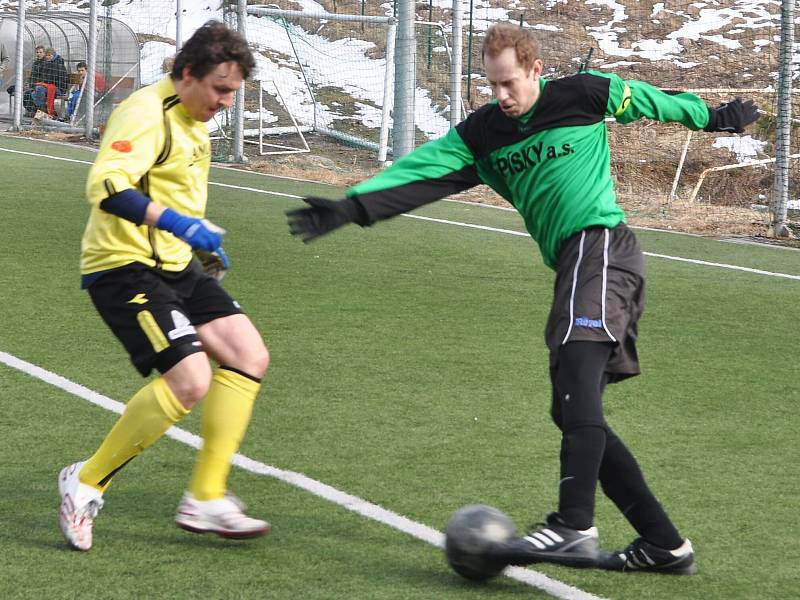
[538, 67]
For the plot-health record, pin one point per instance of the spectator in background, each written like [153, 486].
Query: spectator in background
[77, 89]
[37, 70]
[52, 82]
[4, 61]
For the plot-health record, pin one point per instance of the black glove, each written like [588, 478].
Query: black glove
[732, 116]
[323, 216]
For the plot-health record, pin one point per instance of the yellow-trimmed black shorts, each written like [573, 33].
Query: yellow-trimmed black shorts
[154, 312]
[599, 296]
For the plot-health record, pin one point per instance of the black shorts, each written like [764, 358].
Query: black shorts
[153, 312]
[599, 296]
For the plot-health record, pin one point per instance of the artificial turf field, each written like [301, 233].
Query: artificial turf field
[408, 371]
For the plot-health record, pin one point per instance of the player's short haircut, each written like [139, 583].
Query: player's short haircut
[212, 45]
[81, 64]
[39, 47]
[507, 35]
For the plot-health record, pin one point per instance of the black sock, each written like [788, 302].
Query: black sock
[623, 482]
[581, 453]
[578, 380]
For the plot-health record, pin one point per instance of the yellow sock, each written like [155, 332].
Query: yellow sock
[147, 416]
[226, 412]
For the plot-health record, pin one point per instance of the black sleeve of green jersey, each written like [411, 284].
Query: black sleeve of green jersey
[437, 169]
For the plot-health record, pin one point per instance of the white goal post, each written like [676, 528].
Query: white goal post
[317, 121]
[729, 92]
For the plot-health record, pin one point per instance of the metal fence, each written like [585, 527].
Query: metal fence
[666, 177]
[325, 73]
[67, 34]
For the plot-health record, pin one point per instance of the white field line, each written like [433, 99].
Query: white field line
[255, 190]
[343, 499]
[450, 200]
[653, 254]
[213, 165]
[88, 162]
[467, 225]
[74, 160]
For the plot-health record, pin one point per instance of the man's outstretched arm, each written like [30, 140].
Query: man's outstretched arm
[433, 171]
[630, 100]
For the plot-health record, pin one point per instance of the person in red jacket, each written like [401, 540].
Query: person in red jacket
[52, 83]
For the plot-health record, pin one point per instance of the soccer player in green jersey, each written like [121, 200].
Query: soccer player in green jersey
[543, 146]
[148, 189]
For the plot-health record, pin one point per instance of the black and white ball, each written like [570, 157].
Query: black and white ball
[467, 536]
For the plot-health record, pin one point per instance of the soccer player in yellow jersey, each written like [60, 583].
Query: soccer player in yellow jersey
[148, 189]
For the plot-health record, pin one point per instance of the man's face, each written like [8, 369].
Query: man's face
[82, 72]
[40, 53]
[515, 88]
[203, 98]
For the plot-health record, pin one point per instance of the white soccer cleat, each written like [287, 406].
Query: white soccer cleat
[223, 516]
[80, 504]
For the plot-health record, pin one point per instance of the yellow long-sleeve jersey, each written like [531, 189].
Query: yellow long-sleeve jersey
[153, 145]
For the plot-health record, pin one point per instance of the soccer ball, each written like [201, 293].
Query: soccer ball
[468, 533]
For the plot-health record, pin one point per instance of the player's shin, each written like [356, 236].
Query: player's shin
[581, 454]
[147, 416]
[226, 414]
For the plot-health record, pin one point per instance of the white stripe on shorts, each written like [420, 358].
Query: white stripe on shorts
[605, 279]
[574, 286]
[606, 243]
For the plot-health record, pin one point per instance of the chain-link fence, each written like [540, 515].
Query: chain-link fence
[55, 51]
[320, 73]
[718, 50]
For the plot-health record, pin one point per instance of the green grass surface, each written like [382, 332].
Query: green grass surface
[408, 369]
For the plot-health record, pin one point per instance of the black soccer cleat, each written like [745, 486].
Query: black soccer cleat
[552, 542]
[643, 556]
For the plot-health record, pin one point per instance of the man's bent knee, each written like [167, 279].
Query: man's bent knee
[190, 379]
[252, 362]
[258, 362]
[234, 341]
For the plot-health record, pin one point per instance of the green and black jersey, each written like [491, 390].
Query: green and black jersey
[553, 164]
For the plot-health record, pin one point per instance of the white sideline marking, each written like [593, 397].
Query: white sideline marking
[453, 200]
[88, 162]
[213, 165]
[725, 266]
[468, 225]
[343, 499]
[255, 190]
[75, 160]
[653, 254]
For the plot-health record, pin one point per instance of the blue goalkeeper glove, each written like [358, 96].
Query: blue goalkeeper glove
[198, 233]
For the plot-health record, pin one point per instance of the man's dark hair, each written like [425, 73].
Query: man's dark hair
[212, 45]
[81, 64]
